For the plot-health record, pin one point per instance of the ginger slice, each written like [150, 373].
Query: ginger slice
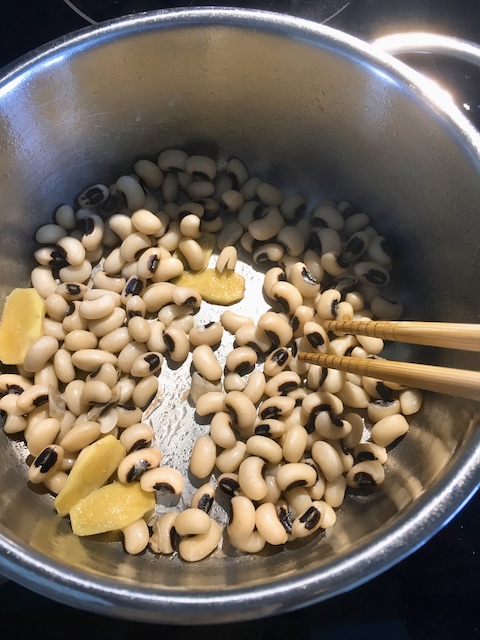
[111, 507]
[93, 467]
[214, 287]
[22, 324]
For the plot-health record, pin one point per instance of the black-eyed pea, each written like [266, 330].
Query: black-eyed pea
[104, 326]
[192, 521]
[80, 339]
[410, 401]
[277, 361]
[42, 435]
[368, 473]
[39, 353]
[80, 436]
[353, 396]
[241, 360]
[56, 482]
[273, 492]
[172, 160]
[300, 316]
[145, 391]
[228, 483]
[197, 547]
[317, 337]
[296, 417]
[178, 344]
[62, 364]
[129, 353]
[68, 461]
[371, 273]
[294, 443]
[242, 519]
[282, 384]
[250, 478]
[156, 342]
[241, 409]
[135, 537]
[388, 429]
[92, 359]
[369, 451]
[46, 376]
[287, 296]
[146, 364]
[193, 253]
[295, 474]
[334, 494]
[327, 304]
[310, 520]
[43, 281]
[378, 409]
[386, 309]
[34, 396]
[265, 448]
[139, 329]
[12, 423]
[210, 403]
[133, 192]
[203, 457]
[96, 392]
[255, 387]
[206, 363]
[163, 479]
[276, 407]
[221, 430]
[325, 214]
[232, 321]
[209, 334]
[146, 222]
[229, 460]
[253, 544]
[136, 463]
[344, 454]
[358, 428]
[169, 241]
[270, 428]
[303, 280]
[331, 426]
[137, 436]
[277, 329]
[269, 525]
[127, 414]
[56, 307]
[355, 222]
[328, 460]
[201, 167]
[203, 498]
[46, 463]
[163, 533]
[190, 226]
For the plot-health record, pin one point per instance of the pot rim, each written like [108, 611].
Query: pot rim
[419, 522]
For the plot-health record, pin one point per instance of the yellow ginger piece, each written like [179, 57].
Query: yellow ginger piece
[110, 508]
[218, 288]
[93, 467]
[22, 324]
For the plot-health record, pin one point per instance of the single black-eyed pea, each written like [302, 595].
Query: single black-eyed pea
[128, 414]
[178, 344]
[172, 159]
[269, 428]
[80, 436]
[163, 479]
[163, 530]
[310, 520]
[228, 483]
[136, 463]
[410, 401]
[96, 392]
[32, 397]
[203, 498]
[135, 537]
[317, 337]
[241, 360]
[241, 409]
[269, 525]
[277, 361]
[388, 429]
[210, 403]
[276, 407]
[137, 436]
[277, 329]
[206, 363]
[146, 364]
[378, 409]
[386, 309]
[232, 321]
[42, 435]
[221, 430]
[272, 276]
[209, 334]
[133, 192]
[369, 451]
[254, 337]
[103, 326]
[298, 499]
[227, 260]
[233, 382]
[353, 396]
[295, 474]
[331, 426]
[288, 297]
[250, 478]
[46, 463]
[145, 391]
[193, 253]
[197, 547]
[294, 443]
[327, 304]
[282, 383]
[255, 386]
[39, 353]
[203, 457]
[368, 473]
[328, 459]
[265, 448]
[229, 460]
[242, 519]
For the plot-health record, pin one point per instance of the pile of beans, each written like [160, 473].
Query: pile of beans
[286, 438]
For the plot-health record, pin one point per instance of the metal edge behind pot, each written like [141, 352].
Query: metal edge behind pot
[417, 524]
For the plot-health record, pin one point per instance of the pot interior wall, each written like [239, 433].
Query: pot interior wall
[310, 117]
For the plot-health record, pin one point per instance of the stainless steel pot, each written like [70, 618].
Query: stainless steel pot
[303, 105]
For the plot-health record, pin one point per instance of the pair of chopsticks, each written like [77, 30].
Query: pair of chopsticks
[455, 382]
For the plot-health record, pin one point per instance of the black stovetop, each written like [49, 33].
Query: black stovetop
[433, 594]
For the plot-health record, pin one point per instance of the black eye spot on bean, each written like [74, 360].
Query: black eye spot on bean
[209, 324]
[310, 518]
[152, 263]
[384, 248]
[46, 459]
[174, 538]
[323, 377]
[336, 420]
[273, 337]
[295, 484]
[232, 412]
[383, 391]
[127, 407]
[315, 339]
[153, 361]
[288, 386]
[3, 418]
[87, 225]
[364, 479]
[137, 470]
[243, 368]
[374, 276]
[229, 486]
[264, 429]
[281, 356]
[334, 308]
[283, 303]
[139, 444]
[267, 414]
[134, 287]
[314, 243]
[294, 323]
[205, 503]
[73, 290]
[15, 389]
[40, 400]
[209, 216]
[308, 276]
[342, 262]
[164, 487]
[113, 204]
[92, 197]
[169, 342]
[364, 456]
[354, 246]
[58, 258]
[259, 212]
[286, 518]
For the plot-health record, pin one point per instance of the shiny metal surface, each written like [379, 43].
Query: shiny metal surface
[399, 43]
[304, 106]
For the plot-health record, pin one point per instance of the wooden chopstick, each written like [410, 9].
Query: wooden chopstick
[450, 335]
[455, 382]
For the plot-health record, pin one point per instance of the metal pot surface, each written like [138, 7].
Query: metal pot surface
[310, 109]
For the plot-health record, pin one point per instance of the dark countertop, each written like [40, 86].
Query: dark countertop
[434, 592]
